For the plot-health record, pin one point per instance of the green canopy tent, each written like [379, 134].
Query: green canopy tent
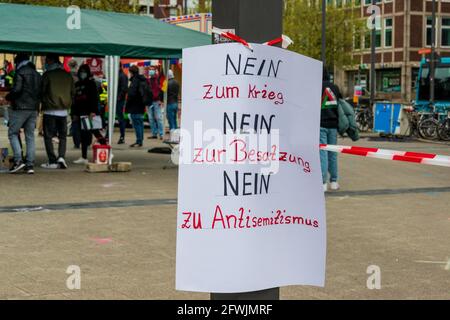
[67, 31]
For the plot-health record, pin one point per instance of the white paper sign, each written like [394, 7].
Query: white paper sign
[251, 209]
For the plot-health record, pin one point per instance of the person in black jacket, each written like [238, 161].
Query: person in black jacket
[172, 101]
[329, 123]
[25, 99]
[86, 104]
[121, 99]
[135, 104]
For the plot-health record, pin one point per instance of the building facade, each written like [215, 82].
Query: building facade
[404, 29]
[164, 8]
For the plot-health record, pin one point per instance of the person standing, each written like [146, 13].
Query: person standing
[135, 104]
[329, 123]
[75, 130]
[154, 110]
[86, 104]
[57, 95]
[172, 101]
[121, 99]
[24, 98]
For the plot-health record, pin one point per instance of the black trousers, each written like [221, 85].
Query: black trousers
[55, 126]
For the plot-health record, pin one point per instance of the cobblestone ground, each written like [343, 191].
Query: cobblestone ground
[120, 229]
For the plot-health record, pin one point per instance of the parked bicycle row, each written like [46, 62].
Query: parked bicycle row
[405, 120]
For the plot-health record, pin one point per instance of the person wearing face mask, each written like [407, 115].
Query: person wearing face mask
[57, 95]
[86, 104]
[154, 110]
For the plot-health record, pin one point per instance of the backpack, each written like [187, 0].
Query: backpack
[146, 92]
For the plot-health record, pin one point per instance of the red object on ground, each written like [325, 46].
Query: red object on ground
[101, 153]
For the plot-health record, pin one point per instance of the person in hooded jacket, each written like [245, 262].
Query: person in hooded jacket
[24, 98]
[329, 123]
[86, 104]
[135, 105]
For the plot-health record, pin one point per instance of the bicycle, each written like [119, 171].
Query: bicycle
[444, 128]
[428, 126]
[413, 118]
[364, 119]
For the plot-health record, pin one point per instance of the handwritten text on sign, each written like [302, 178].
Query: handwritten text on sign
[251, 208]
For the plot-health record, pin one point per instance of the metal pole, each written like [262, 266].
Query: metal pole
[185, 7]
[372, 61]
[433, 51]
[256, 21]
[166, 68]
[324, 27]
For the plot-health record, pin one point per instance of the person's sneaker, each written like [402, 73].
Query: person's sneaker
[121, 141]
[62, 163]
[51, 166]
[325, 187]
[153, 137]
[334, 186]
[81, 161]
[29, 170]
[17, 167]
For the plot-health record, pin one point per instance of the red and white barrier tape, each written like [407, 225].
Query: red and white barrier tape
[415, 157]
[285, 40]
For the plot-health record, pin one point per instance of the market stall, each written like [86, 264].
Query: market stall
[89, 33]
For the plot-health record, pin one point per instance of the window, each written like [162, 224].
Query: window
[369, 2]
[367, 40]
[388, 32]
[429, 24]
[445, 37]
[442, 83]
[357, 42]
[389, 80]
[378, 38]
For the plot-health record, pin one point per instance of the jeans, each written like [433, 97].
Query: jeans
[55, 126]
[172, 115]
[328, 159]
[27, 120]
[138, 125]
[121, 117]
[156, 120]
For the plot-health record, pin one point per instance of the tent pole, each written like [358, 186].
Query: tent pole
[112, 69]
[166, 72]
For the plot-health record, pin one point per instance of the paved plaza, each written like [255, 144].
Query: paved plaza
[120, 229]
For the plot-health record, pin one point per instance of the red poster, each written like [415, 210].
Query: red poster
[96, 65]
